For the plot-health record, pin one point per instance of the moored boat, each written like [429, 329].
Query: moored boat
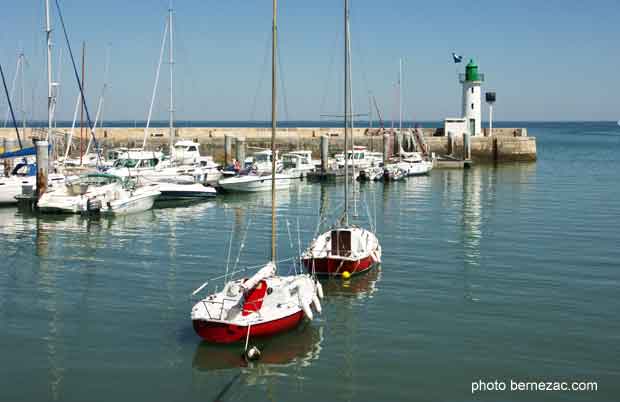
[99, 193]
[254, 182]
[345, 249]
[262, 305]
[171, 191]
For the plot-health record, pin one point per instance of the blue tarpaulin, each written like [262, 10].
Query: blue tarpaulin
[19, 154]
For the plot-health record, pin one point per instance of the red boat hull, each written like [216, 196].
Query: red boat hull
[218, 332]
[335, 266]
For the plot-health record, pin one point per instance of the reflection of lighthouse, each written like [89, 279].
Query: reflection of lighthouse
[472, 94]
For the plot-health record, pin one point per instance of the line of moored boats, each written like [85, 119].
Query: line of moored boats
[132, 180]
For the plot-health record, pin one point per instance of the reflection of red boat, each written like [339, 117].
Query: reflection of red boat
[349, 249]
[301, 345]
[360, 286]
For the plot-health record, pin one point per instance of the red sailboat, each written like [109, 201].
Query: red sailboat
[345, 249]
[264, 304]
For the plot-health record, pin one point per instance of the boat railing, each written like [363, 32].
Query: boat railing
[221, 303]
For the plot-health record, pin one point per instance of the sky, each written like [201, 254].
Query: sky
[547, 60]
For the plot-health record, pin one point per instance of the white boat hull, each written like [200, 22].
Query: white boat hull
[11, 187]
[252, 184]
[138, 202]
[175, 191]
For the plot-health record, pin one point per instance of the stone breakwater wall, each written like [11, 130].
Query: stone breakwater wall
[505, 145]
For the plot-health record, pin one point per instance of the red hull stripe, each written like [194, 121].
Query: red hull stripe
[336, 266]
[228, 333]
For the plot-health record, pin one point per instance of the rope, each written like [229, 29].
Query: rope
[232, 228]
[242, 246]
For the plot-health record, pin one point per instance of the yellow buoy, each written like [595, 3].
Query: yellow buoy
[346, 275]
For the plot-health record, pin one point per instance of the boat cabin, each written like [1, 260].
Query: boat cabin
[186, 152]
[298, 159]
[341, 242]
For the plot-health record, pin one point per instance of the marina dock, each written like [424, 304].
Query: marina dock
[504, 145]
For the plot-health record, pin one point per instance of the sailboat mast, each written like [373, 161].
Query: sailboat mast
[400, 106]
[346, 112]
[274, 47]
[171, 61]
[83, 103]
[23, 94]
[48, 32]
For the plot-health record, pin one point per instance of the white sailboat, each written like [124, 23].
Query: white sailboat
[23, 175]
[345, 249]
[264, 304]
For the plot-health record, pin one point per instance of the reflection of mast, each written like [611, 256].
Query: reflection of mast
[346, 296]
[47, 281]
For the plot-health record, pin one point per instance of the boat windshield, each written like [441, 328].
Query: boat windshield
[24, 169]
[289, 161]
[126, 163]
[262, 158]
[357, 155]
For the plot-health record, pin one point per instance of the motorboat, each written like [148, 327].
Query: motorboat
[262, 305]
[393, 172]
[253, 182]
[261, 161]
[208, 172]
[99, 193]
[371, 173]
[298, 163]
[135, 163]
[171, 191]
[414, 165]
[359, 158]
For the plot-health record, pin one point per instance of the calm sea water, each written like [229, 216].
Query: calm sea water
[494, 273]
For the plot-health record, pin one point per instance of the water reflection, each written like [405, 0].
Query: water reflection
[471, 222]
[297, 348]
[360, 287]
[479, 199]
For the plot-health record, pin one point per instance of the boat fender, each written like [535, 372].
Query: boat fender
[317, 304]
[319, 289]
[307, 310]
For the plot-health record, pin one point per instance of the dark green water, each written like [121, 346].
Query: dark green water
[507, 272]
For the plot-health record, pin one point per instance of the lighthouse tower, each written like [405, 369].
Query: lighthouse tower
[472, 98]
